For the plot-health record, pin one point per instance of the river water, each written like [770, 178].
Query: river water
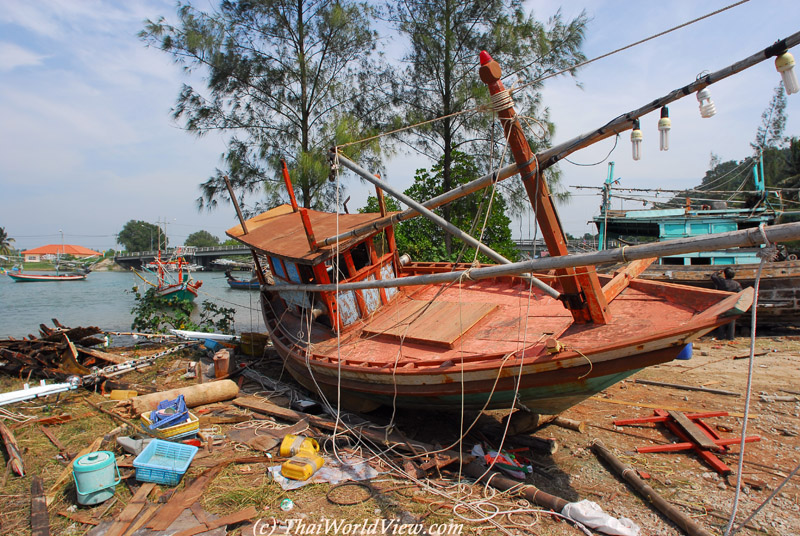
[105, 300]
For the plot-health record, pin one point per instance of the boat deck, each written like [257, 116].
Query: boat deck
[497, 320]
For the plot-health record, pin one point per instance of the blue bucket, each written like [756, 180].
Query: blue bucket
[94, 477]
[686, 353]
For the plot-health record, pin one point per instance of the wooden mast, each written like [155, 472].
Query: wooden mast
[582, 295]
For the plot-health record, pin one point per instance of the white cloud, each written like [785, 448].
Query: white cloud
[13, 56]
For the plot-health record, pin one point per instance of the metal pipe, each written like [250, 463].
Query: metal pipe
[441, 222]
[749, 237]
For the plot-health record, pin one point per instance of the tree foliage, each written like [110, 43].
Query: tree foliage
[201, 239]
[138, 235]
[156, 314]
[441, 78]
[284, 80]
[424, 241]
[5, 242]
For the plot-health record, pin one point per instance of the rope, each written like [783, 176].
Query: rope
[551, 75]
[766, 254]
[641, 41]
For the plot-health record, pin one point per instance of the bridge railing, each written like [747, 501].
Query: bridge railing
[182, 250]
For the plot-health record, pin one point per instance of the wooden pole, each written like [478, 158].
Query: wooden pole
[443, 199]
[625, 121]
[259, 272]
[746, 238]
[439, 221]
[552, 155]
[289, 188]
[585, 298]
[648, 493]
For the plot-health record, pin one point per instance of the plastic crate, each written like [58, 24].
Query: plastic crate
[163, 462]
[184, 429]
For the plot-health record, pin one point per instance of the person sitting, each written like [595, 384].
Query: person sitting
[727, 284]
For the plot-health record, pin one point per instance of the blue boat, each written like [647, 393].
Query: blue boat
[242, 284]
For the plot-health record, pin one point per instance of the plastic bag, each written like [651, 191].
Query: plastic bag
[590, 514]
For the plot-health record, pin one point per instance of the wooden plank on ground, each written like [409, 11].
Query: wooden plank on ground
[129, 513]
[40, 521]
[184, 499]
[694, 431]
[243, 515]
[79, 517]
[105, 356]
[635, 404]
[14, 455]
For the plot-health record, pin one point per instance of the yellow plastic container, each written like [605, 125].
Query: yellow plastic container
[296, 444]
[191, 425]
[302, 467]
[122, 394]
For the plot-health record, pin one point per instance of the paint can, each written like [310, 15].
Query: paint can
[94, 477]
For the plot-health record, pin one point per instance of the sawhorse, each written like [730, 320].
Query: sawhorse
[695, 434]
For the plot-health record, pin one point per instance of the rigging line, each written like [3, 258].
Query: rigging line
[626, 47]
[738, 169]
[616, 140]
[523, 86]
[766, 254]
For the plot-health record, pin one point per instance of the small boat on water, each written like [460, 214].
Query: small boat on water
[173, 280]
[80, 274]
[21, 277]
[241, 284]
[356, 321]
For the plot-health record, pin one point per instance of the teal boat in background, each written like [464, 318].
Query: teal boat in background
[779, 296]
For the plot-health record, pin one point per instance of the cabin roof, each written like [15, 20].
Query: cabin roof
[279, 232]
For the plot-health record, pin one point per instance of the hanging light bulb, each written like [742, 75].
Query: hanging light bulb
[785, 65]
[636, 140]
[707, 108]
[664, 124]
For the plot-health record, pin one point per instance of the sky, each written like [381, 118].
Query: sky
[87, 142]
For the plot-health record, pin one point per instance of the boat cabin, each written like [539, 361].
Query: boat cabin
[286, 236]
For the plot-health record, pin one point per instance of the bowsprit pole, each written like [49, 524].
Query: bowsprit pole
[582, 295]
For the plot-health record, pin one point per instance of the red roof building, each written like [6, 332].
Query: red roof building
[36, 254]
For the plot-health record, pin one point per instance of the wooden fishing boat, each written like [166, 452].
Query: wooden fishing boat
[34, 278]
[241, 284]
[173, 280]
[359, 323]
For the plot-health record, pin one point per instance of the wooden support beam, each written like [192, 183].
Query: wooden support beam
[312, 242]
[584, 299]
[623, 276]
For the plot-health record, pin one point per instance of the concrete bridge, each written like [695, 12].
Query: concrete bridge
[200, 256]
[205, 256]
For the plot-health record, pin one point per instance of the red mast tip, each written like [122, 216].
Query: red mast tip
[485, 57]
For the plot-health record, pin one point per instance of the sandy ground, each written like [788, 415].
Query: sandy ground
[682, 477]
[573, 472]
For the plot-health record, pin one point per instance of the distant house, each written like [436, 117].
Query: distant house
[51, 251]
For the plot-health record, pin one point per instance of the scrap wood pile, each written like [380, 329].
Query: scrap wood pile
[56, 353]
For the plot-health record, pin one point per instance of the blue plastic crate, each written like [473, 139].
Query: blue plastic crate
[163, 462]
